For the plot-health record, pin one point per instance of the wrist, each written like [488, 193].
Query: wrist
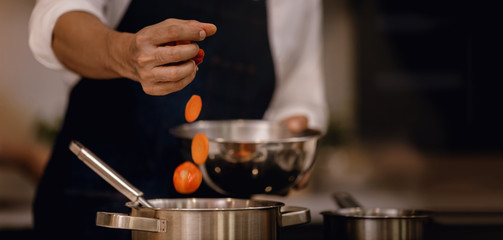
[118, 56]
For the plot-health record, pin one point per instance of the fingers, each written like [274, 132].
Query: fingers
[296, 124]
[162, 54]
[174, 54]
[304, 181]
[172, 30]
[167, 55]
[168, 79]
[209, 28]
[173, 73]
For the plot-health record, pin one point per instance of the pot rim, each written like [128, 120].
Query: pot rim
[267, 204]
[421, 214]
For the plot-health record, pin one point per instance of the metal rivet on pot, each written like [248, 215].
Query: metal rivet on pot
[163, 226]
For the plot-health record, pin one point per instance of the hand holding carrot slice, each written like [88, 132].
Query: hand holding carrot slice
[193, 108]
[200, 147]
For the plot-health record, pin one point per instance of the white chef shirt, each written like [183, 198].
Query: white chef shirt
[295, 41]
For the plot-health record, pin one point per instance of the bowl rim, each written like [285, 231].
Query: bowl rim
[306, 135]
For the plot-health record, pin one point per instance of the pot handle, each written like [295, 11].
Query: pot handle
[124, 221]
[345, 200]
[294, 215]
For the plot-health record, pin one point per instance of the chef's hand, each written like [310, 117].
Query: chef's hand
[162, 69]
[298, 124]
[88, 47]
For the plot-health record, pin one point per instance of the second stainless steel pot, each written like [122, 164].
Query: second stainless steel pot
[354, 222]
[196, 218]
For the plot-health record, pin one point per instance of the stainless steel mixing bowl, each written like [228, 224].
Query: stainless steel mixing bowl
[251, 156]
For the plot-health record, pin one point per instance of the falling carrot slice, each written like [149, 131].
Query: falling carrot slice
[193, 108]
[200, 148]
[187, 178]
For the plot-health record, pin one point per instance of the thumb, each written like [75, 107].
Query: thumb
[296, 124]
[209, 28]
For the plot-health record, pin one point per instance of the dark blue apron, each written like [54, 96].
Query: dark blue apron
[129, 129]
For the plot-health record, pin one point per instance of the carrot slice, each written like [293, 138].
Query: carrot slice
[193, 108]
[200, 148]
[187, 178]
[182, 42]
[199, 57]
[244, 151]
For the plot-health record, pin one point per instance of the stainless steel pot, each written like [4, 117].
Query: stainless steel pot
[195, 218]
[354, 222]
[191, 218]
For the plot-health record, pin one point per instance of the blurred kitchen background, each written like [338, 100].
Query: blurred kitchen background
[414, 102]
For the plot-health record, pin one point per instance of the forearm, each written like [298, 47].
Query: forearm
[88, 47]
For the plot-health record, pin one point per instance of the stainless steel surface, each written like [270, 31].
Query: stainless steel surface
[375, 227]
[251, 156]
[384, 213]
[217, 218]
[355, 222]
[123, 221]
[107, 173]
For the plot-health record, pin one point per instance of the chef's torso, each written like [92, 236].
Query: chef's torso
[129, 129]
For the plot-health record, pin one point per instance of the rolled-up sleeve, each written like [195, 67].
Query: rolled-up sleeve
[42, 21]
[296, 44]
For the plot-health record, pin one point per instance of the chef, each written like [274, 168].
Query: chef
[131, 86]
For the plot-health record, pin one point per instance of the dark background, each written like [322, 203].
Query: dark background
[429, 71]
